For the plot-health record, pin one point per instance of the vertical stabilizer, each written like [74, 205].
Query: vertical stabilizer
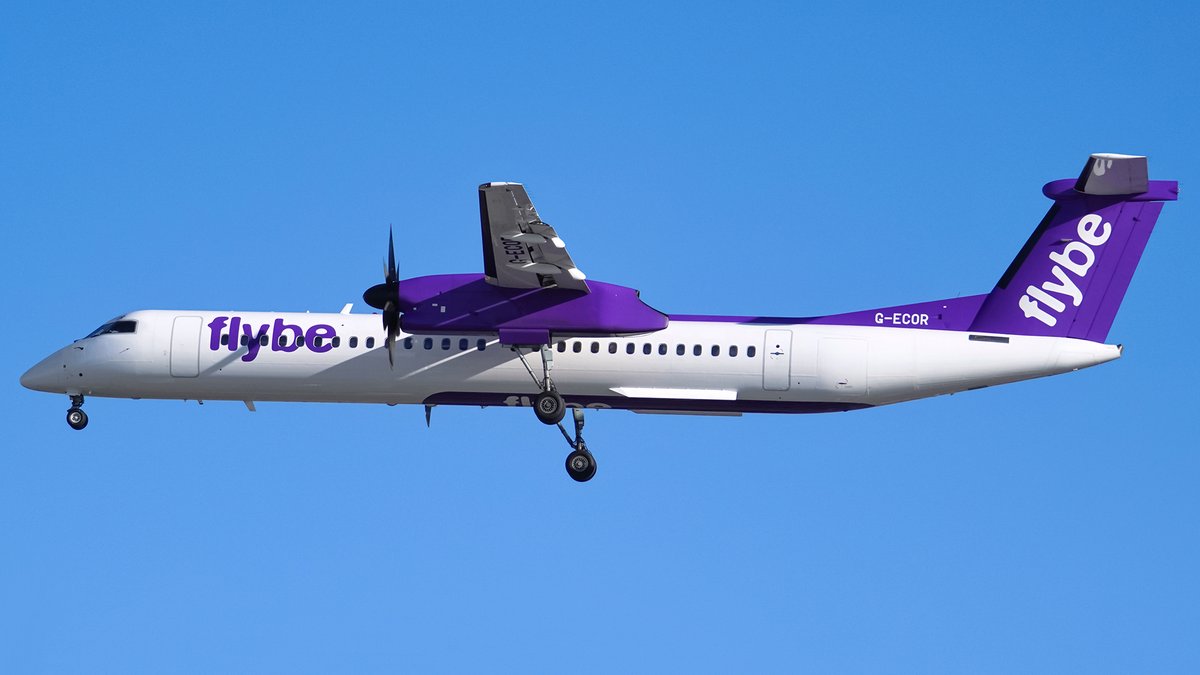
[1070, 277]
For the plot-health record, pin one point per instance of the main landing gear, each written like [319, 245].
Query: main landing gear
[547, 405]
[581, 465]
[551, 409]
[76, 418]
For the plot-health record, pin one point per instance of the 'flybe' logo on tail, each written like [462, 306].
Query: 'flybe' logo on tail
[1077, 257]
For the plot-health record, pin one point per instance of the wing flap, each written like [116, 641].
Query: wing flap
[519, 249]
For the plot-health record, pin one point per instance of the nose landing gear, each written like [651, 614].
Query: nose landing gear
[76, 418]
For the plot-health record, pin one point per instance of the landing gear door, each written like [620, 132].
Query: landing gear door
[185, 346]
[777, 360]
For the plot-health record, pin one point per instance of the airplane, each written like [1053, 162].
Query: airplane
[533, 331]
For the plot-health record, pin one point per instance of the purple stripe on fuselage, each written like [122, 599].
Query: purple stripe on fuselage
[952, 314]
[664, 404]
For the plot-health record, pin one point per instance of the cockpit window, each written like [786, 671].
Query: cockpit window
[119, 326]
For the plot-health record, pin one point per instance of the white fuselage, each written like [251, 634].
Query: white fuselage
[776, 367]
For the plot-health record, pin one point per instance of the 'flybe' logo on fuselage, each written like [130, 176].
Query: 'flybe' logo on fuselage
[1077, 257]
[283, 337]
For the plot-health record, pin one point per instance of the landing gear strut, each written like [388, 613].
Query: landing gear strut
[550, 409]
[548, 405]
[76, 418]
[581, 465]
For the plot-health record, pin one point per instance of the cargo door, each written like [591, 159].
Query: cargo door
[842, 366]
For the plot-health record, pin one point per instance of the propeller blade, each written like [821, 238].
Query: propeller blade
[384, 297]
[392, 274]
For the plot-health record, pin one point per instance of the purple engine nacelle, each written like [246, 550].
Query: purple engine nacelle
[467, 303]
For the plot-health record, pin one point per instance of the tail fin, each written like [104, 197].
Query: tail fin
[1069, 278]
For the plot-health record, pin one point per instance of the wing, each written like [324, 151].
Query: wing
[519, 250]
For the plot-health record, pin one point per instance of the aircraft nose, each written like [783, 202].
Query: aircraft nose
[47, 375]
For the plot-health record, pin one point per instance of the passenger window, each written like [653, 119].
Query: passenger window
[630, 348]
[299, 340]
[750, 351]
[679, 350]
[445, 344]
[733, 350]
[318, 341]
[462, 344]
[245, 339]
[697, 350]
[577, 347]
[562, 347]
[647, 348]
[662, 350]
[612, 348]
[427, 343]
[224, 339]
[282, 341]
[716, 350]
[370, 343]
[337, 342]
[263, 340]
[595, 347]
[481, 344]
[408, 343]
[354, 342]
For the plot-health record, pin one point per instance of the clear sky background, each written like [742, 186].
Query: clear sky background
[722, 158]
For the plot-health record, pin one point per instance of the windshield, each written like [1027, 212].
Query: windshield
[116, 326]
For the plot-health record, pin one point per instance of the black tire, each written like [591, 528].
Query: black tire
[77, 419]
[581, 466]
[549, 407]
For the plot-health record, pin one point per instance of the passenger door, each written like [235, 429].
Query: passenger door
[777, 360]
[185, 346]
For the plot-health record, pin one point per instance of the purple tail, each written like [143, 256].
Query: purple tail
[1069, 278]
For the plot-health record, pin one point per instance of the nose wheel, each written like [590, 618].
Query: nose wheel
[76, 418]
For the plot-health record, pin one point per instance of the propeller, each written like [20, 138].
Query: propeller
[385, 296]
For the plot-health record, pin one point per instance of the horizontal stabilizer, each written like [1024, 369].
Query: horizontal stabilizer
[1111, 174]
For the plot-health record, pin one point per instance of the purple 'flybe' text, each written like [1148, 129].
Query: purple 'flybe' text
[317, 338]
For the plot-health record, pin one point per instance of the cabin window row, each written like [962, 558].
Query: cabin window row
[480, 344]
[407, 343]
[661, 348]
[335, 342]
[446, 344]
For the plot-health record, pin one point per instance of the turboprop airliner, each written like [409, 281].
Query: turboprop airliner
[533, 331]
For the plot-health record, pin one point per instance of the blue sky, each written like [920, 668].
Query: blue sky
[722, 159]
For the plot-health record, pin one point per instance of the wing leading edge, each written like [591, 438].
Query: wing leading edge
[519, 250]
